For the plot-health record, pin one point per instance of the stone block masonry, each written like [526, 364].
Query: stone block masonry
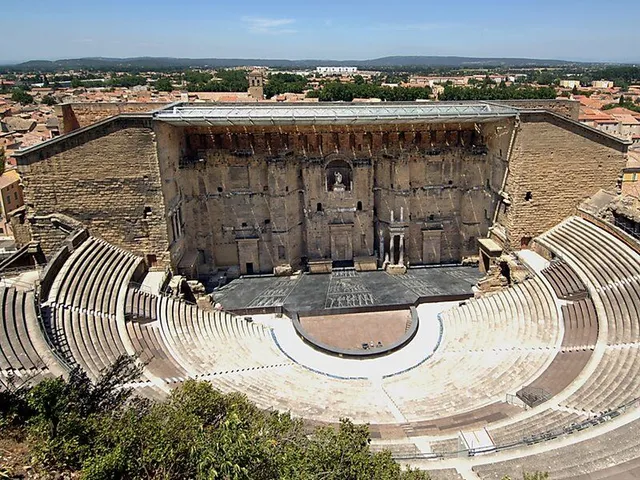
[72, 116]
[555, 165]
[109, 180]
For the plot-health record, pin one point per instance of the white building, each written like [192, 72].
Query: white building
[570, 83]
[337, 70]
[602, 84]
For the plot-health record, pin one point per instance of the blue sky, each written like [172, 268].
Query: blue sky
[326, 29]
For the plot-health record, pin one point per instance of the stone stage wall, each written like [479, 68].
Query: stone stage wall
[264, 197]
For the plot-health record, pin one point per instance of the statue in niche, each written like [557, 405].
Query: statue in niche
[338, 186]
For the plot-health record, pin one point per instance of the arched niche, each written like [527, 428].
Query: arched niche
[338, 175]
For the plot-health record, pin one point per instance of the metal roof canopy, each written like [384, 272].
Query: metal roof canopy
[330, 113]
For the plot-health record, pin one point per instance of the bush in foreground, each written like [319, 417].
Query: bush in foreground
[103, 432]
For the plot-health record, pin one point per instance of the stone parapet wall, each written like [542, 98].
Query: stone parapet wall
[565, 107]
[72, 116]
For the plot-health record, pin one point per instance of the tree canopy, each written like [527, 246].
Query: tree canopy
[500, 92]
[336, 91]
[224, 81]
[103, 432]
[163, 84]
[49, 100]
[279, 83]
[127, 80]
[21, 96]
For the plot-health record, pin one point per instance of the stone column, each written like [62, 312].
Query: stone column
[401, 260]
[381, 245]
[392, 249]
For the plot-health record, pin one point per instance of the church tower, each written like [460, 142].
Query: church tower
[256, 85]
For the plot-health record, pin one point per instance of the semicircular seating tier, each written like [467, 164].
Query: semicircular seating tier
[611, 270]
[516, 337]
[24, 355]
[83, 304]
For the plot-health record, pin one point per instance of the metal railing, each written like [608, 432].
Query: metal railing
[550, 434]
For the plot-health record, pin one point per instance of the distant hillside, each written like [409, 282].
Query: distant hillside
[159, 63]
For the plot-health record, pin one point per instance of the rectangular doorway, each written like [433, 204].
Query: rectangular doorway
[249, 268]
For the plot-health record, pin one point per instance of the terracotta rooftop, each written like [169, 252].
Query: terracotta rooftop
[594, 115]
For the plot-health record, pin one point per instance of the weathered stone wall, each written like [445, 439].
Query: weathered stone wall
[77, 115]
[262, 197]
[107, 178]
[555, 165]
[565, 107]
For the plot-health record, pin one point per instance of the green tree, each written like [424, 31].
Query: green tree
[574, 90]
[49, 100]
[67, 414]
[21, 96]
[164, 84]
[76, 82]
[3, 160]
[127, 81]
[279, 83]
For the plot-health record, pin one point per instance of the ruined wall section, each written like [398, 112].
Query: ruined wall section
[261, 197]
[72, 116]
[555, 165]
[564, 107]
[170, 146]
[107, 178]
[443, 185]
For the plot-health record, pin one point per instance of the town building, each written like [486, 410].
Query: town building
[11, 199]
[570, 83]
[602, 84]
[336, 70]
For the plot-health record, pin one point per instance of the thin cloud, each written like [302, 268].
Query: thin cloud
[269, 25]
[413, 26]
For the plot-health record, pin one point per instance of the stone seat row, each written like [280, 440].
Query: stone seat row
[83, 305]
[565, 282]
[615, 382]
[611, 266]
[237, 355]
[24, 355]
[562, 371]
[545, 421]
[580, 325]
[521, 316]
[490, 346]
[210, 342]
[141, 304]
[453, 383]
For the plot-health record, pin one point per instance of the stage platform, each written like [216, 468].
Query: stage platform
[347, 290]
